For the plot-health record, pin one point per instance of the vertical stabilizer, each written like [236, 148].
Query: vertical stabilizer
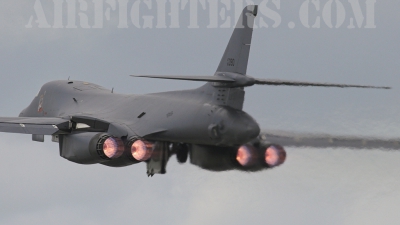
[237, 52]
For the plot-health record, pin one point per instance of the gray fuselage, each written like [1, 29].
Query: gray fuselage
[189, 116]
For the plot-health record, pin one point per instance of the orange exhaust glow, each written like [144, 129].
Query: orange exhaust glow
[141, 150]
[275, 155]
[244, 155]
[113, 147]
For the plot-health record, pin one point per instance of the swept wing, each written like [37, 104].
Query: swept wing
[34, 125]
[327, 141]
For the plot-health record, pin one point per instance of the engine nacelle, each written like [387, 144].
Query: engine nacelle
[250, 157]
[90, 148]
[213, 158]
[274, 155]
[136, 151]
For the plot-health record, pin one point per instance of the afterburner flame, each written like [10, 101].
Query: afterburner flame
[113, 147]
[244, 155]
[275, 155]
[141, 150]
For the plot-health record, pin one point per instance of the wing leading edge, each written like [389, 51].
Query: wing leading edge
[34, 125]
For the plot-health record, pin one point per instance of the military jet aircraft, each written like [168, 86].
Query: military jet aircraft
[94, 125]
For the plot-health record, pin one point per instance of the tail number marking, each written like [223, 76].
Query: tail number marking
[230, 62]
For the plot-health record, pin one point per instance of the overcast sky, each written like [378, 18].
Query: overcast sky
[314, 186]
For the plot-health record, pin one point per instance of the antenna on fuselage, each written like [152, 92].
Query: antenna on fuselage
[112, 90]
[69, 77]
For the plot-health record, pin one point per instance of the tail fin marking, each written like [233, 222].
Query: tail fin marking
[236, 54]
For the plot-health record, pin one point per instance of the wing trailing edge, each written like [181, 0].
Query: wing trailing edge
[293, 139]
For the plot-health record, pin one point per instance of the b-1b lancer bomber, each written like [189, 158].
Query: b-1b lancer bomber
[93, 125]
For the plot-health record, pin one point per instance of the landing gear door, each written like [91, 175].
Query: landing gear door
[159, 159]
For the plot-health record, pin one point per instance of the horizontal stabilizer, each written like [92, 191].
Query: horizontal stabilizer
[304, 84]
[238, 80]
[191, 78]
